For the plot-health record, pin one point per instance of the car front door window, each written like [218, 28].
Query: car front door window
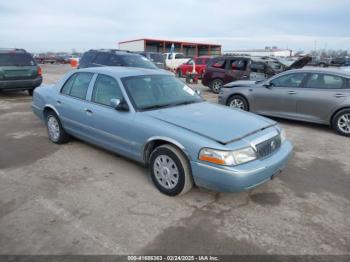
[290, 80]
[105, 89]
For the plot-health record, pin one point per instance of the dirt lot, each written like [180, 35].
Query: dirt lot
[78, 199]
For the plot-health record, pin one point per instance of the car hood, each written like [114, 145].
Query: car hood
[300, 63]
[219, 123]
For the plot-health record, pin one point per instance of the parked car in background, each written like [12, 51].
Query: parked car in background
[174, 60]
[225, 69]
[346, 66]
[18, 70]
[313, 95]
[339, 61]
[44, 59]
[156, 58]
[318, 61]
[200, 64]
[154, 118]
[114, 57]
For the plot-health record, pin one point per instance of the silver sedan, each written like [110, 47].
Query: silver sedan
[313, 95]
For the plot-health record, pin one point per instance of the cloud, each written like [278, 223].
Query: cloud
[62, 25]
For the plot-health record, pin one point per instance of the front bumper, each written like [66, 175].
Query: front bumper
[242, 177]
[21, 84]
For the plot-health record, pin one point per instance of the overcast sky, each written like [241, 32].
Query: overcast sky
[83, 24]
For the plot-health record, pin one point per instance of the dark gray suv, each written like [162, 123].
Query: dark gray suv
[312, 95]
[114, 57]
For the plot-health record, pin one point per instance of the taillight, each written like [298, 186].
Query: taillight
[40, 71]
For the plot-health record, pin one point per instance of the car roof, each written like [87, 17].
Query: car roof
[336, 71]
[113, 51]
[123, 71]
[12, 50]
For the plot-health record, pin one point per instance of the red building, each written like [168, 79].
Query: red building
[163, 46]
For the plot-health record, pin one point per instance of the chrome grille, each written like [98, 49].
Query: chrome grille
[266, 148]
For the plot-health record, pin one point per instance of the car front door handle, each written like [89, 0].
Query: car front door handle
[59, 102]
[292, 92]
[340, 95]
[88, 111]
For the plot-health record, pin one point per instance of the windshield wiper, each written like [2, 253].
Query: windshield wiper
[185, 103]
[156, 106]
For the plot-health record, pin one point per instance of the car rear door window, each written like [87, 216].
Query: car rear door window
[238, 64]
[68, 85]
[257, 67]
[324, 81]
[219, 63]
[199, 61]
[105, 89]
[290, 80]
[179, 56]
[77, 85]
[102, 59]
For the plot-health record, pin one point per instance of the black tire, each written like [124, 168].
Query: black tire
[62, 136]
[184, 179]
[323, 65]
[340, 124]
[238, 100]
[179, 73]
[30, 91]
[216, 85]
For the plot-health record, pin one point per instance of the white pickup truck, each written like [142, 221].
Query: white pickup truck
[174, 60]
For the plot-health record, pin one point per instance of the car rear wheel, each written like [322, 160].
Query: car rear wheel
[30, 92]
[216, 85]
[239, 102]
[170, 170]
[179, 73]
[55, 130]
[341, 122]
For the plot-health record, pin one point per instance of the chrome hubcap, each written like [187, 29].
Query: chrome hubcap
[237, 103]
[217, 85]
[54, 128]
[344, 123]
[166, 171]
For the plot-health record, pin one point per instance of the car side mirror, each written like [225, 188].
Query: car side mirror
[119, 104]
[267, 85]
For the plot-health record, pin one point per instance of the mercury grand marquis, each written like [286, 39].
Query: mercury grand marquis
[152, 117]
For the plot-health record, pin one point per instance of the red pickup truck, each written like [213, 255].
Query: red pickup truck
[200, 66]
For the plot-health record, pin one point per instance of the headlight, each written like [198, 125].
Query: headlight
[227, 158]
[282, 135]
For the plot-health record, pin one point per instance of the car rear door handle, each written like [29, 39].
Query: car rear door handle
[292, 92]
[340, 95]
[88, 111]
[59, 102]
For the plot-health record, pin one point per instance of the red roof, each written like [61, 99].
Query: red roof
[168, 41]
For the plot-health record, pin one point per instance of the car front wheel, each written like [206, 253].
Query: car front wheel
[237, 101]
[341, 122]
[170, 170]
[216, 85]
[55, 130]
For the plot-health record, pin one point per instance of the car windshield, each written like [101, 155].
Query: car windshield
[15, 59]
[137, 61]
[158, 91]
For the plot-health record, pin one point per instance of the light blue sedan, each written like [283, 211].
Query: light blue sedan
[152, 117]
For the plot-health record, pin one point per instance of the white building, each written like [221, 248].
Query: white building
[276, 52]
